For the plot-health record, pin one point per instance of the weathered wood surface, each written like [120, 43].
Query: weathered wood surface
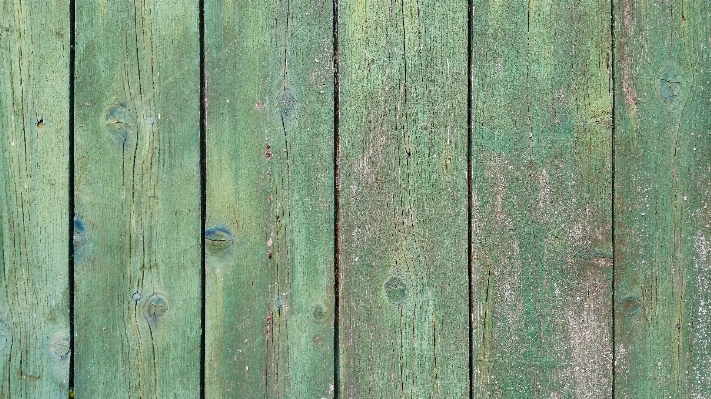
[560, 91]
[541, 199]
[270, 186]
[403, 199]
[662, 187]
[34, 199]
[138, 203]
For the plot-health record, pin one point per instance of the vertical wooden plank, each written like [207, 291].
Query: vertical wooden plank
[138, 203]
[269, 229]
[34, 199]
[662, 187]
[403, 199]
[541, 199]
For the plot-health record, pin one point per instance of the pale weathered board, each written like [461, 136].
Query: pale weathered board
[34, 199]
[541, 199]
[403, 199]
[138, 203]
[662, 199]
[269, 234]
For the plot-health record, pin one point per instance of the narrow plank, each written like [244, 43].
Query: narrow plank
[541, 199]
[403, 199]
[138, 203]
[269, 229]
[662, 187]
[34, 199]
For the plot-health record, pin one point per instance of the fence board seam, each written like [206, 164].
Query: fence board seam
[203, 188]
[470, 21]
[70, 216]
[612, 196]
[336, 194]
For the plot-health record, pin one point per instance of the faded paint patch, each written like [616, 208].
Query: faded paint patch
[628, 87]
[700, 379]
[589, 330]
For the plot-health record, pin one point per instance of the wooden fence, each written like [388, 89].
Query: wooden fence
[359, 199]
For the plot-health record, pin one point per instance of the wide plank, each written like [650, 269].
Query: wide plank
[137, 199]
[34, 199]
[402, 221]
[269, 236]
[662, 198]
[541, 199]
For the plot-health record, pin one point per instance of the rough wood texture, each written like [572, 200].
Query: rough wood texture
[403, 199]
[540, 293]
[662, 188]
[34, 199]
[269, 232]
[137, 223]
[541, 199]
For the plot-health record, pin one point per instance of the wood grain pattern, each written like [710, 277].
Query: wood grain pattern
[662, 187]
[269, 232]
[403, 199]
[541, 199]
[560, 91]
[137, 223]
[34, 199]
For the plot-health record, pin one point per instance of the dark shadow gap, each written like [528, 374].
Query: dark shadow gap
[203, 193]
[470, 21]
[70, 249]
[612, 193]
[336, 192]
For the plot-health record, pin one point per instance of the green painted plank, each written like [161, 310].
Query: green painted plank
[403, 199]
[541, 199]
[662, 186]
[34, 199]
[137, 224]
[269, 229]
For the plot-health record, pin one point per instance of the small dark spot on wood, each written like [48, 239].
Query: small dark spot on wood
[629, 306]
[286, 103]
[268, 152]
[269, 255]
[268, 325]
[5, 335]
[118, 121]
[218, 239]
[79, 236]
[670, 84]
[156, 308]
[319, 314]
[395, 290]
[78, 226]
